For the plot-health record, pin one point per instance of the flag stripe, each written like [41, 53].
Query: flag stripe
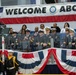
[62, 66]
[73, 53]
[63, 55]
[68, 62]
[41, 55]
[43, 19]
[29, 66]
[0, 52]
[27, 55]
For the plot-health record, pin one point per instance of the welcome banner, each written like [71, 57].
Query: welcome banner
[38, 14]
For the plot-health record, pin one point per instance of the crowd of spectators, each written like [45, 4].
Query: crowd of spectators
[40, 38]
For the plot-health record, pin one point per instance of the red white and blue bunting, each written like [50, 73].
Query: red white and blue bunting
[35, 62]
[66, 60]
[32, 62]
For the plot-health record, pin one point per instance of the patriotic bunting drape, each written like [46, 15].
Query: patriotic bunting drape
[32, 62]
[66, 60]
[35, 62]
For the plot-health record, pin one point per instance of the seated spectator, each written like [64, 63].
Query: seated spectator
[70, 41]
[22, 34]
[66, 34]
[28, 33]
[24, 27]
[48, 30]
[48, 37]
[36, 31]
[12, 41]
[42, 27]
[10, 31]
[66, 25]
[40, 41]
[25, 43]
[57, 28]
[55, 37]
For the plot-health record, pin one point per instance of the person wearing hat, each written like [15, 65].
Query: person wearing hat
[14, 41]
[48, 37]
[63, 38]
[48, 30]
[70, 41]
[25, 43]
[11, 64]
[40, 40]
[55, 37]
[11, 41]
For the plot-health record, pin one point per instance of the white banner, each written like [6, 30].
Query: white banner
[41, 10]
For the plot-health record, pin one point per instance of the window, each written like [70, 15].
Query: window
[8, 2]
[17, 2]
[32, 1]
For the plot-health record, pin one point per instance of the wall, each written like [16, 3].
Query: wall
[17, 27]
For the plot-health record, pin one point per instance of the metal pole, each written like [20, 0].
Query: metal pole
[2, 48]
[52, 57]
[52, 42]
